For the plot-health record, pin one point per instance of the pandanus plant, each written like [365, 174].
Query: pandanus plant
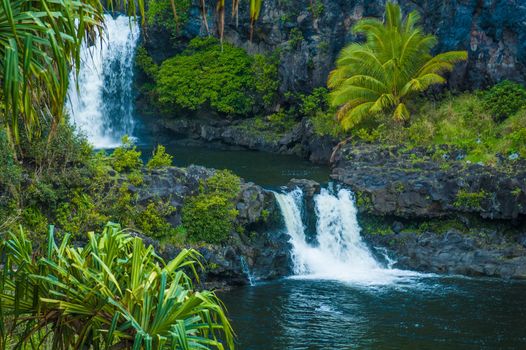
[113, 293]
[388, 69]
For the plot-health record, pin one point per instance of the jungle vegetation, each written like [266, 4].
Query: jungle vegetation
[77, 289]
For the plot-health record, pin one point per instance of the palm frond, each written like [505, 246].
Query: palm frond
[384, 72]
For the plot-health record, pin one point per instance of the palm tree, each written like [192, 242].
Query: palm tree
[40, 40]
[114, 293]
[392, 65]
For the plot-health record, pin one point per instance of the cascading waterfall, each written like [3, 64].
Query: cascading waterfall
[102, 108]
[340, 253]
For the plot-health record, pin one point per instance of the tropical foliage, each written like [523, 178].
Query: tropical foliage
[169, 15]
[159, 158]
[225, 78]
[113, 293]
[39, 42]
[462, 123]
[385, 72]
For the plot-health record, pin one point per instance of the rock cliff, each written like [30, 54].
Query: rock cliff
[310, 33]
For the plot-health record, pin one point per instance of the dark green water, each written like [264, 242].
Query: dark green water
[427, 313]
[265, 169]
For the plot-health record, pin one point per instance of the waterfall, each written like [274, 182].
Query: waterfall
[102, 108]
[246, 271]
[340, 253]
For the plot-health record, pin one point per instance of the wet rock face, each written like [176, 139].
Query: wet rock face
[492, 31]
[388, 181]
[486, 254]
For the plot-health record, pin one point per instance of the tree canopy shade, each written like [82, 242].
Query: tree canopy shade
[114, 293]
[385, 71]
[40, 40]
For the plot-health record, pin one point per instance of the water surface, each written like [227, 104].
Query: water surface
[428, 313]
[265, 169]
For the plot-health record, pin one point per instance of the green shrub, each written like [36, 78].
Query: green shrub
[160, 14]
[295, 38]
[316, 7]
[326, 124]
[518, 142]
[206, 74]
[504, 99]
[160, 158]
[126, 157]
[208, 218]
[223, 182]
[266, 78]
[145, 63]
[34, 219]
[80, 213]
[136, 177]
[281, 121]
[316, 102]
[152, 220]
[210, 215]
[368, 136]
[323, 118]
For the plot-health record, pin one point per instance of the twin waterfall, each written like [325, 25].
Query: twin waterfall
[339, 253]
[102, 106]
